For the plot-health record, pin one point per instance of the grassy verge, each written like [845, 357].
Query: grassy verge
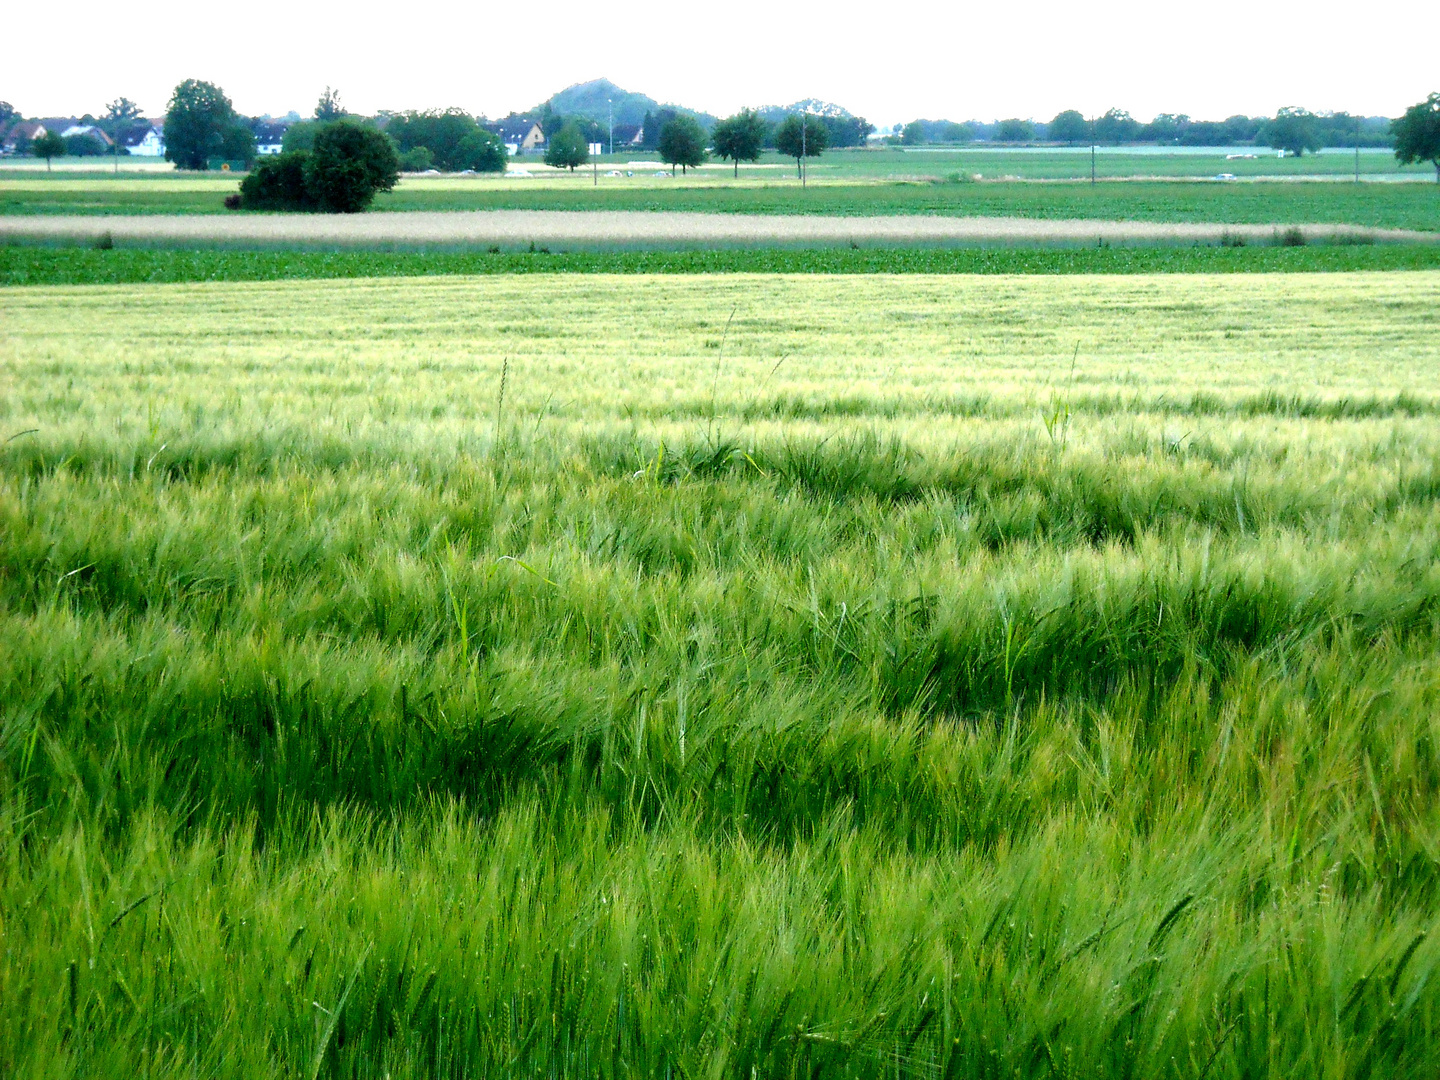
[82, 266]
[1375, 205]
[702, 676]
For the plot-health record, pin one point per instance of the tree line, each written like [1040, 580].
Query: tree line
[1294, 130]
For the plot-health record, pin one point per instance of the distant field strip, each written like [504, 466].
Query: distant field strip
[601, 230]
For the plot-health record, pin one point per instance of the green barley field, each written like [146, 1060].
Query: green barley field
[706, 676]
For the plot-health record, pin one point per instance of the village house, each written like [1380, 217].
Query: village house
[145, 141]
[21, 135]
[520, 134]
[87, 131]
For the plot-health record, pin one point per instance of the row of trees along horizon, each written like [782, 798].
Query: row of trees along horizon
[202, 126]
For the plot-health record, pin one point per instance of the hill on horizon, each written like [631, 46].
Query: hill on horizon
[594, 99]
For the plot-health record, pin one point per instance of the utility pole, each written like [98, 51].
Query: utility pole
[611, 102]
[1357, 149]
[1092, 163]
[804, 123]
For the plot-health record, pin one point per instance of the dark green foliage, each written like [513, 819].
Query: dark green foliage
[739, 138]
[1068, 127]
[47, 146]
[1417, 134]
[200, 124]
[1014, 131]
[278, 183]
[85, 146]
[682, 142]
[455, 141]
[801, 138]
[1116, 126]
[300, 136]
[348, 166]
[914, 133]
[1293, 130]
[481, 151]
[417, 160]
[566, 148]
[329, 107]
[82, 266]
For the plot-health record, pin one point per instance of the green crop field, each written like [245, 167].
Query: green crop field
[1371, 204]
[27, 265]
[745, 675]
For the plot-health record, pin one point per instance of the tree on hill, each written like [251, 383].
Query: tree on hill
[8, 112]
[1293, 131]
[200, 123]
[682, 142]
[1069, 127]
[1417, 134]
[914, 133]
[739, 138]
[329, 107]
[50, 145]
[566, 148]
[800, 139]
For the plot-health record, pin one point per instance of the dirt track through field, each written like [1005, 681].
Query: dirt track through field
[588, 230]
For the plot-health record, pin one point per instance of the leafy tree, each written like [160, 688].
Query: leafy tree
[482, 151]
[654, 124]
[1293, 131]
[1116, 126]
[799, 138]
[1166, 127]
[956, 133]
[8, 112]
[913, 134]
[1417, 134]
[278, 183]
[682, 142]
[121, 111]
[566, 148]
[200, 123]
[846, 130]
[739, 138]
[1069, 127]
[417, 160]
[50, 145]
[349, 165]
[328, 107]
[1014, 131]
[300, 136]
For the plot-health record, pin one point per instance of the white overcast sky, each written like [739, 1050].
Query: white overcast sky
[889, 62]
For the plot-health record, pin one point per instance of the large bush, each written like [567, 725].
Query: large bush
[278, 183]
[349, 164]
